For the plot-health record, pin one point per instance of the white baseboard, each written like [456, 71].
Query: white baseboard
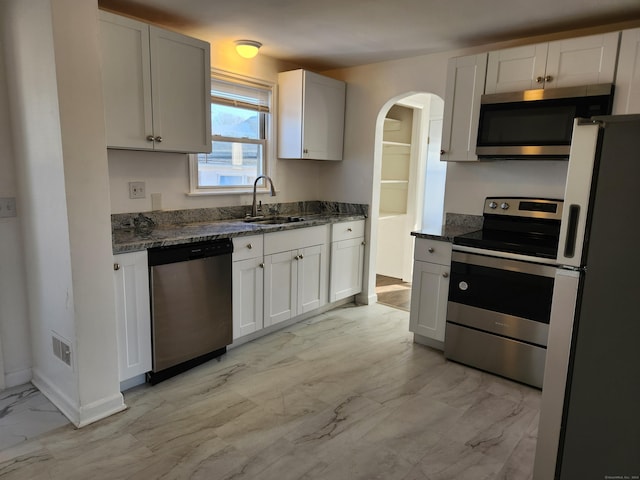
[79, 415]
[20, 377]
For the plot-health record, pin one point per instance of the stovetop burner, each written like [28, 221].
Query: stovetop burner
[525, 226]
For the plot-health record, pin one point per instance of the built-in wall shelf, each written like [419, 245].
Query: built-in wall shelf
[402, 145]
[392, 124]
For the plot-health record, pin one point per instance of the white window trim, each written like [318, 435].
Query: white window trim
[270, 135]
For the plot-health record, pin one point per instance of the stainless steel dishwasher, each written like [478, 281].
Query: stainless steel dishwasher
[191, 318]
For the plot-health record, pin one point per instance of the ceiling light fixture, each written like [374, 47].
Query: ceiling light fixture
[247, 48]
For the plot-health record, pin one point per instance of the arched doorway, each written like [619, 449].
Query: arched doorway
[411, 189]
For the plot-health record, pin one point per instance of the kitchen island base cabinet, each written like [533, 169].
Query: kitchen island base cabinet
[429, 292]
[133, 317]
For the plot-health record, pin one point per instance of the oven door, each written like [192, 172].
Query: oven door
[498, 315]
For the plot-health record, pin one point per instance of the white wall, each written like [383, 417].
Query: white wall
[15, 347]
[53, 80]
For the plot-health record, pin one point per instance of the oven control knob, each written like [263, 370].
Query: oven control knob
[493, 205]
[504, 206]
[463, 286]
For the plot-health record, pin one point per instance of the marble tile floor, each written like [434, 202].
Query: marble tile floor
[344, 395]
[26, 413]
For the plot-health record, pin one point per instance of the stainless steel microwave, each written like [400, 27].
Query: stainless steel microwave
[536, 124]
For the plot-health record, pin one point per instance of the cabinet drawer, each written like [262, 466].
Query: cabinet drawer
[347, 230]
[294, 239]
[433, 251]
[248, 247]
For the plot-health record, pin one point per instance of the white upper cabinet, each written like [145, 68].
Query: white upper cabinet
[465, 85]
[311, 116]
[156, 87]
[562, 63]
[627, 96]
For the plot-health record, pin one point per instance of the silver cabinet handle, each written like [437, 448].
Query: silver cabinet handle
[445, 275]
[150, 138]
[364, 243]
[249, 246]
[539, 79]
[116, 266]
[349, 229]
[431, 250]
[158, 139]
[261, 265]
[548, 78]
[301, 256]
[442, 152]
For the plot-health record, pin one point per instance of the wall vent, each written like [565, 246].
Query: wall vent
[61, 349]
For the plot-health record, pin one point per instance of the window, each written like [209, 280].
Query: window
[240, 117]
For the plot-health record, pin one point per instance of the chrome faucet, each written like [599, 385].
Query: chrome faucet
[254, 207]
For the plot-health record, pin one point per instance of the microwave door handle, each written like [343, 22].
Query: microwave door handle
[572, 231]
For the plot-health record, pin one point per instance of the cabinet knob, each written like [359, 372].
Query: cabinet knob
[442, 152]
[445, 275]
[150, 138]
[158, 139]
[249, 246]
[349, 229]
[305, 150]
[116, 266]
[261, 265]
[364, 243]
[539, 79]
[297, 257]
[548, 78]
[430, 250]
[301, 256]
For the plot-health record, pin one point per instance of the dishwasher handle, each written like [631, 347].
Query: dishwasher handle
[189, 251]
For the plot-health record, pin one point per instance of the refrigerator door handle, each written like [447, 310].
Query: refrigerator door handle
[572, 231]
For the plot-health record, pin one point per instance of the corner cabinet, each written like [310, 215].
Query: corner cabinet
[465, 86]
[133, 318]
[429, 291]
[295, 273]
[156, 87]
[562, 63]
[248, 285]
[347, 259]
[310, 115]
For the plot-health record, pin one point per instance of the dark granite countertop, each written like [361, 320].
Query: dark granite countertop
[134, 239]
[455, 224]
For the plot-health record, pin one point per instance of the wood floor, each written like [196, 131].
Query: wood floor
[393, 292]
[344, 395]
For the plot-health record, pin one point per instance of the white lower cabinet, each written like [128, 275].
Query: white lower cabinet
[429, 291]
[347, 259]
[133, 318]
[295, 276]
[248, 285]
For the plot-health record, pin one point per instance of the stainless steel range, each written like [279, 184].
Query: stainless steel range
[501, 289]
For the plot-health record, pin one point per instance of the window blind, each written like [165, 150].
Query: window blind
[249, 97]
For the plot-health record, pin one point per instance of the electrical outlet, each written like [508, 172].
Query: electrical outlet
[136, 190]
[7, 207]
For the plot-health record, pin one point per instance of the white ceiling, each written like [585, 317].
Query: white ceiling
[325, 34]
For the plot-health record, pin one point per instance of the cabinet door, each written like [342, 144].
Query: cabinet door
[347, 262]
[465, 85]
[514, 69]
[133, 318]
[429, 292]
[280, 287]
[323, 117]
[582, 61]
[627, 96]
[126, 81]
[181, 78]
[312, 278]
[248, 297]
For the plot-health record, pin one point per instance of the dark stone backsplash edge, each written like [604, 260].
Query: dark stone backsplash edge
[199, 215]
